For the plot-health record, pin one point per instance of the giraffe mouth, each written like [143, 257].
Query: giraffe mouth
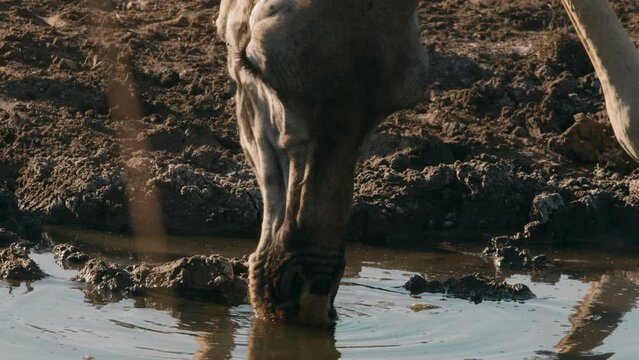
[300, 289]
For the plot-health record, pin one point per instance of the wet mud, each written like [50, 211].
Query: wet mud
[475, 288]
[15, 264]
[214, 278]
[69, 256]
[16, 225]
[106, 104]
[507, 257]
[18, 232]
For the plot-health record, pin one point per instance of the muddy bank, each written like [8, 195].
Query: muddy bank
[512, 139]
[93, 106]
[214, 278]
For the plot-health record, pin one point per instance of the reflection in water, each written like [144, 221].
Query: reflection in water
[13, 284]
[212, 324]
[214, 331]
[599, 313]
[375, 316]
[272, 341]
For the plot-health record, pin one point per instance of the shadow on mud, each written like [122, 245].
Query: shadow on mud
[451, 71]
[60, 92]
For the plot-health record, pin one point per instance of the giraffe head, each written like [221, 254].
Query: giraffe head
[314, 78]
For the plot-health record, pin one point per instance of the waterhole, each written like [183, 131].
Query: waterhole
[586, 310]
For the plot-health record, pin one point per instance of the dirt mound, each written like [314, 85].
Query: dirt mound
[105, 105]
[211, 277]
[15, 264]
[69, 256]
[195, 276]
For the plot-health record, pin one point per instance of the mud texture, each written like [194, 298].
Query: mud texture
[214, 277]
[104, 104]
[15, 264]
[15, 225]
[104, 276]
[506, 256]
[194, 276]
[69, 256]
[475, 288]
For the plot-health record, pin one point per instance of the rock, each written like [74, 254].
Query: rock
[15, 264]
[475, 288]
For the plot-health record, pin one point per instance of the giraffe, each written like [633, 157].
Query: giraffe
[314, 78]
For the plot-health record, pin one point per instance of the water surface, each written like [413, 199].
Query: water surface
[587, 310]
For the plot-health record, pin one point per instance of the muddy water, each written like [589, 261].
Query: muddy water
[587, 310]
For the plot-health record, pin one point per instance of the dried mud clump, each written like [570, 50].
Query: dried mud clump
[508, 257]
[69, 256]
[211, 277]
[475, 288]
[15, 264]
[584, 141]
[563, 50]
[105, 277]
